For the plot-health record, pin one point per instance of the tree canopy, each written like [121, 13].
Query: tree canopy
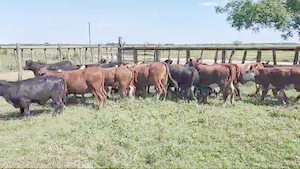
[279, 15]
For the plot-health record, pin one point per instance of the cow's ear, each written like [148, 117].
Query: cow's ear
[171, 61]
[267, 62]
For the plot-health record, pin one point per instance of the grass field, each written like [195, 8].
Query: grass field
[145, 133]
[8, 63]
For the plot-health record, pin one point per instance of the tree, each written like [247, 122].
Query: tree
[237, 43]
[279, 15]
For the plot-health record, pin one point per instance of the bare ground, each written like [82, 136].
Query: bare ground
[13, 76]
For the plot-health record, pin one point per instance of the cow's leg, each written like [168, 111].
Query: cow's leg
[257, 89]
[232, 89]
[132, 89]
[281, 97]
[122, 90]
[158, 90]
[25, 107]
[58, 104]
[103, 94]
[109, 91]
[237, 89]
[99, 98]
[264, 92]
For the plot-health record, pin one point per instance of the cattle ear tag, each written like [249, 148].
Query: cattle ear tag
[59, 70]
[116, 66]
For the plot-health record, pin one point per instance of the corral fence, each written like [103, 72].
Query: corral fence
[147, 53]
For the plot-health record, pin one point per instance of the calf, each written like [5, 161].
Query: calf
[279, 78]
[243, 68]
[186, 77]
[36, 90]
[82, 81]
[121, 77]
[220, 74]
[149, 74]
[36, 66]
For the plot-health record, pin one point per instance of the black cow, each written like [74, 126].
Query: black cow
[186, 77]
[36, 90]
[103, 64]
[36, 66]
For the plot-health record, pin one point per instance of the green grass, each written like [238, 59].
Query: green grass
[149, 134]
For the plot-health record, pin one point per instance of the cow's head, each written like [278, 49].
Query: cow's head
[266, 64]
[169, 61]
[250, 73]
[103, 61]
[42, 72]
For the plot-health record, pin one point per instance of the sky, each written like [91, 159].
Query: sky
[137, 21]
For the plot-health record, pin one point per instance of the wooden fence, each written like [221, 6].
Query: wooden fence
[19, 50]
[188, 50]
[123, 49]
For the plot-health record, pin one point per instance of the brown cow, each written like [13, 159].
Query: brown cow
[220, 74]
[149, 74]
[277, 77]
[242, 71]
[120, 77]
[82, 81]
[129, 65]
[235, 73]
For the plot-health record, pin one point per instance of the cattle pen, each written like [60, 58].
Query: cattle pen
[85, 54]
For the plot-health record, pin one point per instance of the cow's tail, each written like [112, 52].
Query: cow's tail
[169, 77]
[133, 81]
[230, 82]
[63, 91]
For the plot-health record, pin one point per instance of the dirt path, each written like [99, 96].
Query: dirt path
[13, 76]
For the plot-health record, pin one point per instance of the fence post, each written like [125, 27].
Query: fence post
[244, 57]
[69, 57]
[111, 55]
[119, 56]
[60, 54]
[135, 56]
[223, 55]
[85, 54]
[258, 59]
[188, 55]
[106, 51]
[274, 57]
[92, 55]
[80, 55]
[32, 55]
[178, 57]
[45, 54]
[99, 52]
[156, 55]
[231, 55]
[201, 56]
[22, 56]
[296, 56]
[216, 56]
[169, 55]
[19, 61]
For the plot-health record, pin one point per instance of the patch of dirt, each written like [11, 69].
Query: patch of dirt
[13, 76]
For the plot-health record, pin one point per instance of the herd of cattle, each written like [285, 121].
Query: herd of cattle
[193, 80]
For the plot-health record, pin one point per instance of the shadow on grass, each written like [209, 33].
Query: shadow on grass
[18, 115]
[256, 100]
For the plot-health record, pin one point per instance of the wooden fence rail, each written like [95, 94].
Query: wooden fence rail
[188, 50]
[121, 50]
